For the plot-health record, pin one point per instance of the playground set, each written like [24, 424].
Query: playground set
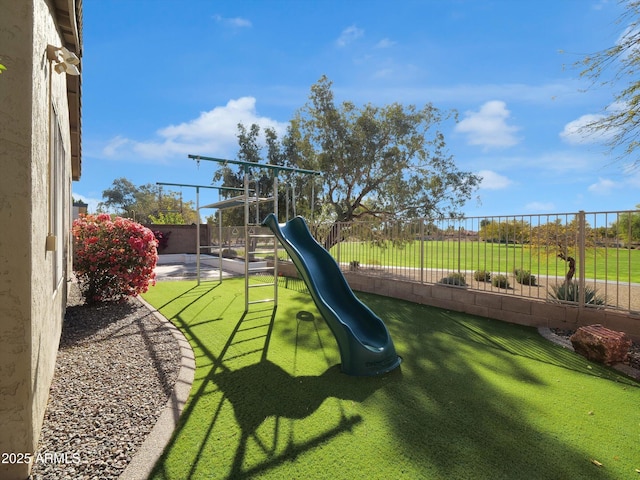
[364, 342]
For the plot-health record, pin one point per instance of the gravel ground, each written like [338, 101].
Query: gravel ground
[115, 370]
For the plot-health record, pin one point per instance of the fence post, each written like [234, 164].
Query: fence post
[339, 236]
[422, 250]
[459, 245]
[581, 258]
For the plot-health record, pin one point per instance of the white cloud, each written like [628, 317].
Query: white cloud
[233, 22]
[582, 131]
[385, 43]
[349, 35]
[114, 144]
[213, 133]
[488, 127]
[603, 186]
[493, 181]
[540, 207]
[563, 161]
[599, 5]
[628, 182]
[578, 132]
[383, 72]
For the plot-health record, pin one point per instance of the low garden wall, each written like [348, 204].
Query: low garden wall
[518, 310]
[181, 238]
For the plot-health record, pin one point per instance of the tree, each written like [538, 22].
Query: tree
[508, 231]
[251, 151]
[170, 218]
[121, 196]
[377, 162]
[619, 125]
[628, 226]
[147, 203]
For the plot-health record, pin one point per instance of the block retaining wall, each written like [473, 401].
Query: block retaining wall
[518, 310]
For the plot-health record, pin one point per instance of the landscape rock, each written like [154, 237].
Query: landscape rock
[601, 344]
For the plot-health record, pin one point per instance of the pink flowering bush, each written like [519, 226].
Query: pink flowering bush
[113, 258]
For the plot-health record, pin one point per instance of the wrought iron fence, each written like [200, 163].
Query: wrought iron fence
[588, 259]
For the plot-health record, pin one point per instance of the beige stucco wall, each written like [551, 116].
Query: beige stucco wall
[31, 306]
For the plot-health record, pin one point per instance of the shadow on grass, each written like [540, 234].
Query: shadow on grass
[239, 374]
[264, 390]
[467, 414]
[463, 405]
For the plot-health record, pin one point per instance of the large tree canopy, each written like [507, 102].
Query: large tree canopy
[617, 67]
[147, 203]
[261, 180]
[378, 162]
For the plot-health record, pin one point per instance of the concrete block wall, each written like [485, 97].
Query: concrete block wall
[508, 308]
[182, 238]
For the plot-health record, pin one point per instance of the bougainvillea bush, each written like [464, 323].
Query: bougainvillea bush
[114, 258]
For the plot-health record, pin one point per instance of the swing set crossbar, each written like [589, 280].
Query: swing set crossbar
[237, 189]
[256, 165]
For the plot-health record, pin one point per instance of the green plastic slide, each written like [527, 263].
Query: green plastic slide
[365, 345]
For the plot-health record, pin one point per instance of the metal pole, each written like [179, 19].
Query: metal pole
[246, 238]
[313, 196]
[198, 234]
[254, 164]
[422, 250]
[275, 241]
[220, 244]
[582, 257]
[293, 197]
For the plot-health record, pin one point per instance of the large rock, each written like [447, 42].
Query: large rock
[601, 344]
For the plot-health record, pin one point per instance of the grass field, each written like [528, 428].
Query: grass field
[602, 264]
[474, 398]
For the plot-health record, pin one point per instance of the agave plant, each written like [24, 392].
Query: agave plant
[570, 292]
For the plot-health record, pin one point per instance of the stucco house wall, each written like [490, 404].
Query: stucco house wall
[33, 292]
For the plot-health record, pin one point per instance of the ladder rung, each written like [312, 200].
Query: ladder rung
[260, 269]
[256, 285]
[262, 301]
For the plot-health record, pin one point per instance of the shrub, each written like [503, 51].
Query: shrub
[454, 279]
[229, 253]
[570, 292]
[500, 281]
[524, 277]
[482, 276]
[113, 258]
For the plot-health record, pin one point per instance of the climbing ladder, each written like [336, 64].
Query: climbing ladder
[253, 237]
[253, 233]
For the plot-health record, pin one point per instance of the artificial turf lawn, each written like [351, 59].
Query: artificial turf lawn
[474, 398]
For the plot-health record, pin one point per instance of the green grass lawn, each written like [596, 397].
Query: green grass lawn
[498, 258]
[473, 399]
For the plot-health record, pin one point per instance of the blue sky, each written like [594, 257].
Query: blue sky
[164, 79]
